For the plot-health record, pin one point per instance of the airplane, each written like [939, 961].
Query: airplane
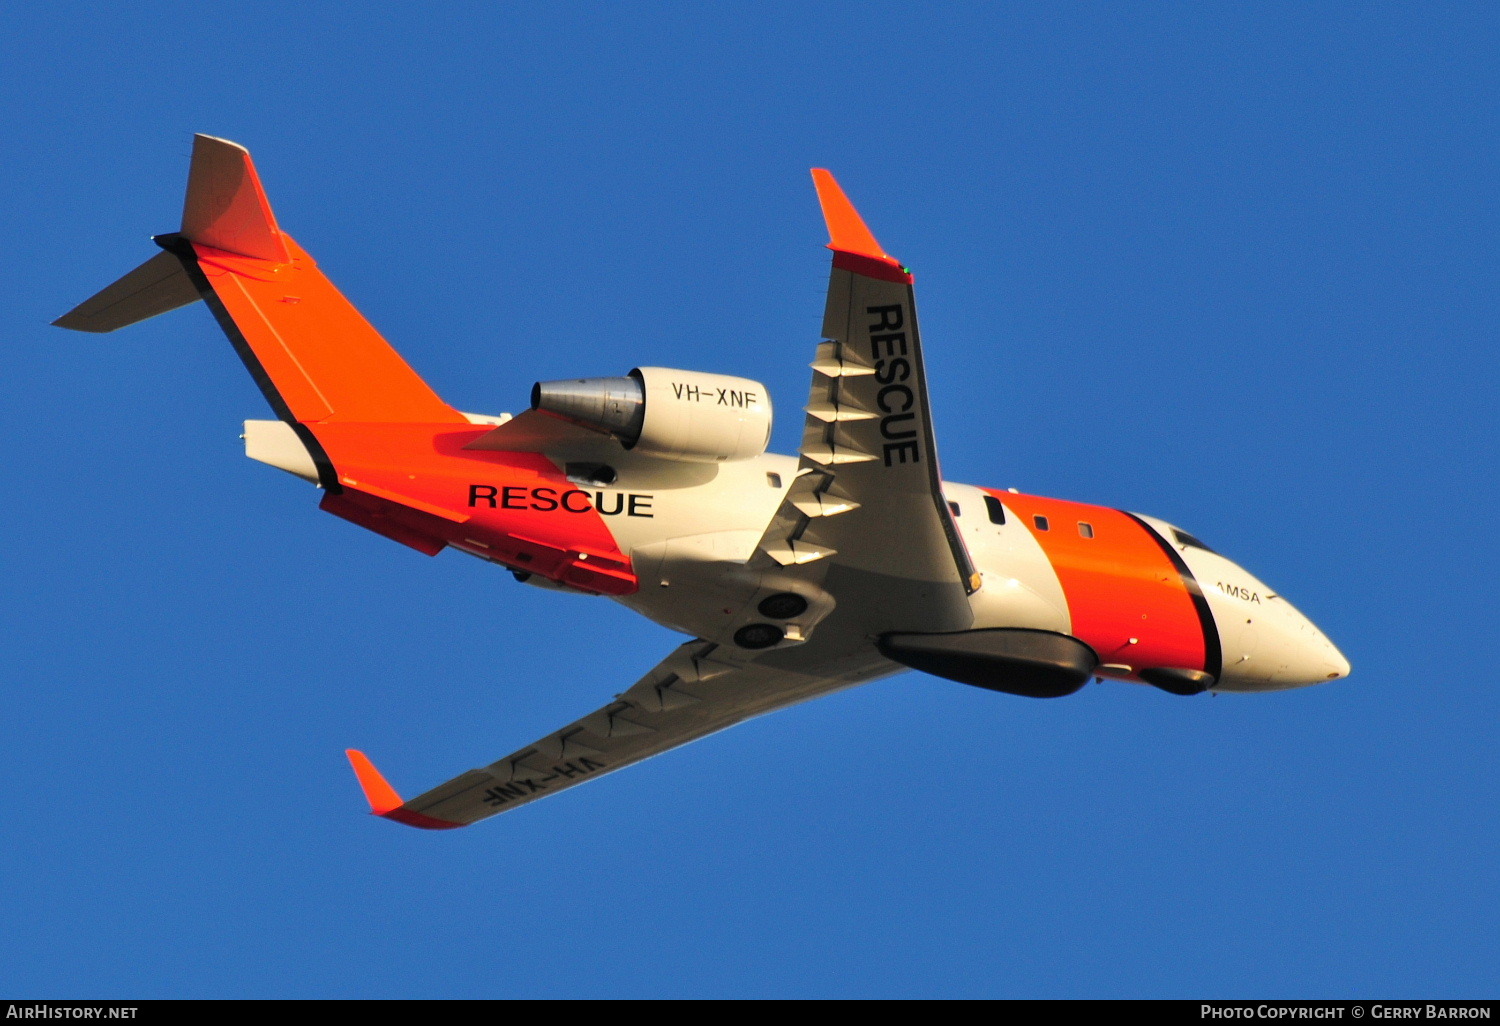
[793, 576]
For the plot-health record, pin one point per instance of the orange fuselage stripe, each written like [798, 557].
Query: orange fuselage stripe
[1120, 584]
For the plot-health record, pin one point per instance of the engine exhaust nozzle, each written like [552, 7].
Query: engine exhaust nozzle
[613, 405]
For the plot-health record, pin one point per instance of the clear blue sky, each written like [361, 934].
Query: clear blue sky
[1234, 266]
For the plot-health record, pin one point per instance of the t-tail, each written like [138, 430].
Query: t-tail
[311, 352]
[319, 363]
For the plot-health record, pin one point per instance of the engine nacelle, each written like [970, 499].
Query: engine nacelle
[680, 415]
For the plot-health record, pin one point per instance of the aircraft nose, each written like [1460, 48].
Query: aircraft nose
[1341, 665]
[1301, 655]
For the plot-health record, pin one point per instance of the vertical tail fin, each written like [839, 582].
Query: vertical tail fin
[313, 354]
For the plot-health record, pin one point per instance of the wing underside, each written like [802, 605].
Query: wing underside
[696, 691]
[866, 513]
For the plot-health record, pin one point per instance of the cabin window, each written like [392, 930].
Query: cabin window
[953, 508]
[1086, 530]
[995, 510]
[773, 479]
[1041, 523]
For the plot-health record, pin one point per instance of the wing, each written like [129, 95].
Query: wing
[863, 544]
[699, 689]
[865, 519]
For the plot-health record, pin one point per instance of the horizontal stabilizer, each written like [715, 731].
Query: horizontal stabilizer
[226, 208]
[158, 285]
[277, 444]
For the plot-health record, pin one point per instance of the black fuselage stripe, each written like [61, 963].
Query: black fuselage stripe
[183, 251]
[1213, 649]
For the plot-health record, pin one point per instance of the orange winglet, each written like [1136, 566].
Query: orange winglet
[849, 237]
[383, 799]
[381, 795]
